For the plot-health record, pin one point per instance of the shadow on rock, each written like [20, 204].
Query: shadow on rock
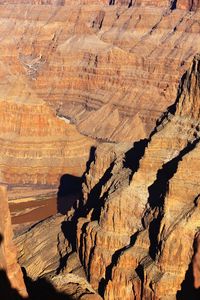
[6, 291]
[41, 289]
[69, 191]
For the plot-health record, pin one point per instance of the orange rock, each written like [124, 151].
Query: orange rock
[196, 263]
[37, 147]
[91, 62]
[188, 4]
[135, 237]
[8, 260]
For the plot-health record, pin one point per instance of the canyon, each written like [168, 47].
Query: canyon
[99, 149]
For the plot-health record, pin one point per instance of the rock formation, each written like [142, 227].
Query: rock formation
[140, 213]
[36, 147]
[78, 74]
[90, 60]
[8, 260]
[47, 260]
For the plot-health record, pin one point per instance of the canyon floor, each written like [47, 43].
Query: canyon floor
[99, 150]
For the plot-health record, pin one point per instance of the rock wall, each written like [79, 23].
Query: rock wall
[36, 147]
[8, 255]
[136, 233]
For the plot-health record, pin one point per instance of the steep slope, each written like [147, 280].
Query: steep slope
[45, 265]
[137, 228]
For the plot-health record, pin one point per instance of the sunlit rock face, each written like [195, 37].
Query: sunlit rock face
[110, 67]
[37, 147]
[138, 234]
[10, 271]
[75, 74]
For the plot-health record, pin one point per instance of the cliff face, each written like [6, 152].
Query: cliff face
[36, 147]
[90, 60]
[8, 260]
[140, 221]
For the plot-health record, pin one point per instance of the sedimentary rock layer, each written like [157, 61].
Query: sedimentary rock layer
[90, 60]
[47, 261]
[140, 220]
[9, 268]
[36, 147]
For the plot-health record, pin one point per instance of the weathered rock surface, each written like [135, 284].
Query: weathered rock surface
[8, 256]
[47, 260]
[36, 147]
[196, 263]
[49, 247]
[91, 61]
[137, 228]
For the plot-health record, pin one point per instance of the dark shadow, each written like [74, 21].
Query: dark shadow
[130, 3]
[91, 159]
[188, 290]
[42, 289]
[6, 291]
[69, 191]
[173, 4]
[1, 238]
[133, 156]
[70, 188]
[94, 201]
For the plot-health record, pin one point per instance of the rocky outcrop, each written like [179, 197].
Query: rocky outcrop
[137, 228]
[8, 262]
[51, 263]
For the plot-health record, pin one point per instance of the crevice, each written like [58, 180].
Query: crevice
[157, 194]
[171, 110]
[108, 274]
[140, 272]
[69, 227]
[130, 3]
[133, 156]
[173, 4]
